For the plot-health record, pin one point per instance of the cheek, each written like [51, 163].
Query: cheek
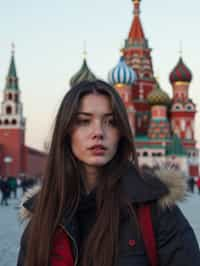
[115, 138]
[76, 142]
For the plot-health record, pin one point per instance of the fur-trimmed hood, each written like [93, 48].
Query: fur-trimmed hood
[167, 186]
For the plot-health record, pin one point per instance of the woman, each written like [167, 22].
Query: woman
[85, 212]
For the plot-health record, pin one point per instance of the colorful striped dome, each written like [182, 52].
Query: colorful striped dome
[122, 74]
[180, 73]
[158, 96]
[83, 74]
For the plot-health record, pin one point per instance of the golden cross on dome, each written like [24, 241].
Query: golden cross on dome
[13, 48]
[84, 49]
[121, 50]
[180, 48]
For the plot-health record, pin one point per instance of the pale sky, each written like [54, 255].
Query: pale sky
[49, 38]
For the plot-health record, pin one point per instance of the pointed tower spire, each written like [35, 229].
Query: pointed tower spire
[136, 32]
[84, 49]
[12, 80]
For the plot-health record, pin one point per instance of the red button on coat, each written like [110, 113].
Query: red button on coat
[131, 242]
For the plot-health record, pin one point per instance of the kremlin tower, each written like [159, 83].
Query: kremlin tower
[12, 123]
[16, 159]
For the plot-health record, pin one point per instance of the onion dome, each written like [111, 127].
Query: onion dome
[122, 74]
[83, 74]
[158, 96]
[180, 73]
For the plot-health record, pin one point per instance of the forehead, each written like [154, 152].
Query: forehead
[95, 103]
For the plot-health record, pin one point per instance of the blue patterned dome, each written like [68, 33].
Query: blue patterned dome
[122, 74]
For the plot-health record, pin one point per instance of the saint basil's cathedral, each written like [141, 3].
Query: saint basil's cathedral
[163, 127]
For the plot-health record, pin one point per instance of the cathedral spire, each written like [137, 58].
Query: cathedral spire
[12, 80]
[136, 32]
[136, 7]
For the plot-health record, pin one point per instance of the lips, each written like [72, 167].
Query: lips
[98, 150]
[99, 147]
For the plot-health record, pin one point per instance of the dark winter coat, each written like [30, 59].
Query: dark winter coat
[175, 239]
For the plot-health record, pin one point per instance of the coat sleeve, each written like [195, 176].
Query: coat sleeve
[176, 241]
[61, 252]
[22, 249]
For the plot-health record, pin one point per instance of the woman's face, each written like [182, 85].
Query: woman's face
[94, 137]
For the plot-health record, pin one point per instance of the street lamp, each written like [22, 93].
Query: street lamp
[7, 160]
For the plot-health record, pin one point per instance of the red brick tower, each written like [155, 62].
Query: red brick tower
[183, 111]
[138, 55]
[12, 125]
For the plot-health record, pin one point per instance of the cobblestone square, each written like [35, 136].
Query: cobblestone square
[11, 228]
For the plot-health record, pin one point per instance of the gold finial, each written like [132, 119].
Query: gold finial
[121, 52]
[180, 48]
[136, 7]
[84, 49]
[12, 48]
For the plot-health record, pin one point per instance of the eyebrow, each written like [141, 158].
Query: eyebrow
[90, 114]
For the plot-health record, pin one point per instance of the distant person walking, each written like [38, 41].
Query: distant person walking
[191, 184]
[198, 184]
[13, 186]
[5, 191]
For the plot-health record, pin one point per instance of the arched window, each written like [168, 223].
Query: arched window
[145, 154]
[8, 110]
[10, 96]
[146, 75]
[14, 122]
[6, 122]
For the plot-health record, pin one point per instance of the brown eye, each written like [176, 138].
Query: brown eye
[111, 122]
[82, 121]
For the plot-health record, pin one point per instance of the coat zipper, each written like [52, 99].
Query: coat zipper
[74, 244]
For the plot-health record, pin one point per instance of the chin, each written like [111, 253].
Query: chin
[98, 162]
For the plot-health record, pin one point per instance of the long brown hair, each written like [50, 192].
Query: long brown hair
[61, 186]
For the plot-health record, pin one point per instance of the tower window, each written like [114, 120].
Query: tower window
[145, 154]
[0, 122]
[10, 96]
[14, 121]
[8, 110]
[6, 122]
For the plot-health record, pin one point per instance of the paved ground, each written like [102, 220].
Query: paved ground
[11, 229]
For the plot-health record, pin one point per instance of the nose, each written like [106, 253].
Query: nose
[98, 131]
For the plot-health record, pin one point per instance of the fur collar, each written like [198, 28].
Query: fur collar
[167, 186]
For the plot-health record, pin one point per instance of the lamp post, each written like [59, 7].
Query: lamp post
[7, 160]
